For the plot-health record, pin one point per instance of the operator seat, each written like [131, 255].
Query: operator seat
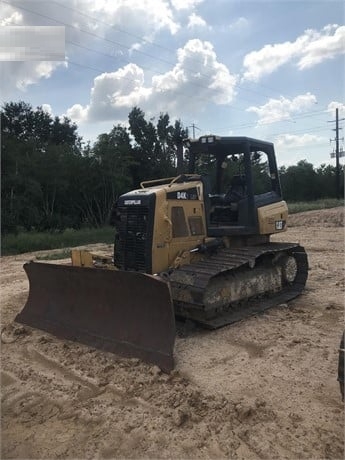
[237, 190]
[224, 208]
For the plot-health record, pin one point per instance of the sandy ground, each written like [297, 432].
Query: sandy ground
[262, 388]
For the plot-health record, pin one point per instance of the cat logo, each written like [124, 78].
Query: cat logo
[182, 195]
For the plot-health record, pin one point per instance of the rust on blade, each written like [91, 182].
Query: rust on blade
[128, 313]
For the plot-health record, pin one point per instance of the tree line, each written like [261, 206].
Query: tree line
[51, 180]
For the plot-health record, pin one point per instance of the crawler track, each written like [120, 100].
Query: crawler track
[193, 284]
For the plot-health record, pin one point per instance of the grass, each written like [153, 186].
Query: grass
[33, 241]
[302, 206]
[36, 241]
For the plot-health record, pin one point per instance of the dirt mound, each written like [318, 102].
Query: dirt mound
[333, 217]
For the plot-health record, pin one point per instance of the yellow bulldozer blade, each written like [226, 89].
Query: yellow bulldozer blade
[127, 313]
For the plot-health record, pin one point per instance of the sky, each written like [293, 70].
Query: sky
[271, 70]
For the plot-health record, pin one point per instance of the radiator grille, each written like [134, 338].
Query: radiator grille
[133, 242]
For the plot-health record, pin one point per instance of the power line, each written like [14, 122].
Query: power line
[157, 73]
[151, 42]
[304, 131]
[120, 44]
[316, 128]
[146, 54]
[255, 124]
[115, 27]
[129, 48]
[123, 77]
[145, 67]
[97, 69]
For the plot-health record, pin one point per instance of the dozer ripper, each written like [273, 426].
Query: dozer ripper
[196, 246]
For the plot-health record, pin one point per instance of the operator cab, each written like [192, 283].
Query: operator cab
[239, 175]
[224, 207]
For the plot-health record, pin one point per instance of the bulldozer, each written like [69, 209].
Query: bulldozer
[195, 247]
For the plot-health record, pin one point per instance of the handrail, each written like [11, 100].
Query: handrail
[155, 181]
[175, 179]
[168, 180]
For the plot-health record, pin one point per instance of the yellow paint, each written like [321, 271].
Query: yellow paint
[81, 258]
[166, 250]
[270, 216]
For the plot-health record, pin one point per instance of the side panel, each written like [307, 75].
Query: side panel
[162, 234]
[179, 222]
[192, 232]
[273, 218]
[187, 214]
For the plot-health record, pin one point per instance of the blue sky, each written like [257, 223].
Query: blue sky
[269, 70]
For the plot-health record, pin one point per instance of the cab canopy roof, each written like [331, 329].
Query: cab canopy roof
[226, 145]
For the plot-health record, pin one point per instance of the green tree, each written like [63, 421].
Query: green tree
[34, 149]
[144, 134]
[155, 148]
[299, 182]
[108, 164]
[326, 181]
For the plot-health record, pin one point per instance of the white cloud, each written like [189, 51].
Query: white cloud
[198, 72]
[18, 75]
[322, 47]
[332, 106]
[293, 141]
[9, 17]
[38, 70]
[121, 89]
[196, 21]
[142, 17]
[77, 113]
[309, 49]
[26, 73]
[47, 108]
[134, 18]
[239, 25]
[131, 19]
[185, 4]
[292, 148]
[282, 109]
[196, 76]
[267, 60]
[112, 94]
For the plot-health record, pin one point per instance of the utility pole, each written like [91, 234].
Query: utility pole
[194, 128]
[337, 153]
